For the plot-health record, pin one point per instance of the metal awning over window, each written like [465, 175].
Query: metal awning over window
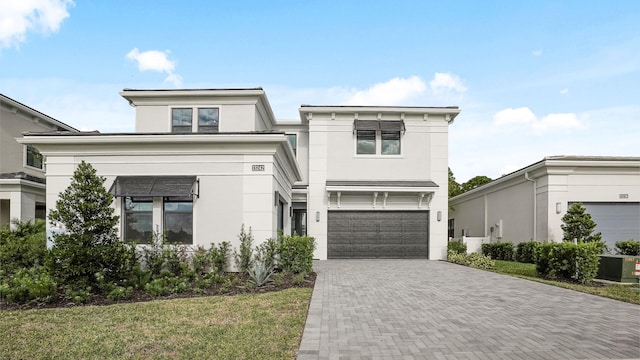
[392, 125]
[384, 125]
[152, 186]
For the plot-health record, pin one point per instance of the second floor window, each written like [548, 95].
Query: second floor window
[183, 121]
[366, 142]
[34, 158]
[293, 140]
[378, 137]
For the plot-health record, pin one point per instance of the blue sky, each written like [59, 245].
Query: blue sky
[532, 79]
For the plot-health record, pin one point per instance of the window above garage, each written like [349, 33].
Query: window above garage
[196, 119]
[378, 137]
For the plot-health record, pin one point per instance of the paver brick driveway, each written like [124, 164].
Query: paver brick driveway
[420, 309]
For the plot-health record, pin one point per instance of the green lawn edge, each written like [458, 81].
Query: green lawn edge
[252, 326]
[628, 293]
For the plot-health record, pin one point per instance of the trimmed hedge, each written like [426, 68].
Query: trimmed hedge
[499, 250]
[474, 260]
[457, 246]
[526, 251]
[568, 260]
[628, 247]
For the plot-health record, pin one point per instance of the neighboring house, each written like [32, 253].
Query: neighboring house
[22, 170]
[529, 204]
[364, 181]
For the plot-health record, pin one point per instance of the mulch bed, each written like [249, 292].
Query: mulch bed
[61, 301]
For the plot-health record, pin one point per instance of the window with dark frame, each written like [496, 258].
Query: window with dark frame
[138, 220]
[208, 120]
[34, 158]
[181, 120]
[178, 220]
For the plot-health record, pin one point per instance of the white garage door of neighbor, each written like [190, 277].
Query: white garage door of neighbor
[616, 221]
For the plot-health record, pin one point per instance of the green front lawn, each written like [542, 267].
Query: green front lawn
[627, 293]
[257, 326]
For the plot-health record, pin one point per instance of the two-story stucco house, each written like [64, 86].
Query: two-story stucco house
[365, 181]
[22, 171]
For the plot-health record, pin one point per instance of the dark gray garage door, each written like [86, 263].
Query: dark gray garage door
[616, 221]
[378, 234]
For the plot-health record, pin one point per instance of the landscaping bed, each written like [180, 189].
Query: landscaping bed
[236, 284]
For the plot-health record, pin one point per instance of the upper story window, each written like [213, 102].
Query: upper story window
[34, 158]
[378, 137]
[293, 140]
[181, 120]
[207, 121]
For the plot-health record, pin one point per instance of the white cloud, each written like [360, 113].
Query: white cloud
[17, 18]
[396, 91]
[514, 116]
[445, 82]
[557, 121]
[524, 115]
[564, 91]
[537, 52]
[154, 60]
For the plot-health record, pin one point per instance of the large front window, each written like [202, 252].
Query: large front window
[178, 220]
[138, 220]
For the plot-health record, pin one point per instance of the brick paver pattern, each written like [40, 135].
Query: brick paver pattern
[420, 309]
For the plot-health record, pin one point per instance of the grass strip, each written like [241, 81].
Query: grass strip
[627, 293]
[257, 326]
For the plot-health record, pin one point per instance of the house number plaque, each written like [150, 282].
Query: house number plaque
[257, 167]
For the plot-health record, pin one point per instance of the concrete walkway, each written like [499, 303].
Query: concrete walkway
[419, 309]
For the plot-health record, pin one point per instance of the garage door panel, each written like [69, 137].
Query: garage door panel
[616, 221]
[378, 234]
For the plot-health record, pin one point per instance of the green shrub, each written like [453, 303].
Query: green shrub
[267, 253]
[526, 252]
[158, 287]
[78, 295]
[120, 293]
[569, 261]
[457, 246]
[479, 261]
[474, 260]
[244, 256]
[23, 247]
[220, 256]
[296, 253]
[29, 285]
[90, 242]
[498, 250]
[456, 257]
[628, 247]
[201, 261]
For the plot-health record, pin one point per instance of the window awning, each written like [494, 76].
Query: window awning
[366, 125]
[150, 186]
[384, 125]
[392, 125]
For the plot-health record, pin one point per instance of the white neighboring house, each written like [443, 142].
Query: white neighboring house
[529, 204]
[364, 181]
[22, 170]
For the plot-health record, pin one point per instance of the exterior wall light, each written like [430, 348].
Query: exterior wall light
[439, 215]
[558, 208]
[317, 216]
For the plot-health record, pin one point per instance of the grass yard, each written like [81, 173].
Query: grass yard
[625, 293]
[256, 326]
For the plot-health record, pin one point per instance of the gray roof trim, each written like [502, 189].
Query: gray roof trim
[23, 176]
[382, 183]
[96, 133]
[153, 186]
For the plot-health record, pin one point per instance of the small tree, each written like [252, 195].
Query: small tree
[577, 224]
[90, 242]
[454, 186]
